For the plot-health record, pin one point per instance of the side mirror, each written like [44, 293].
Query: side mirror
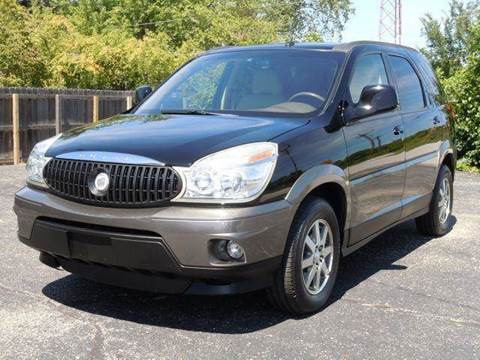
[141, 93]
[374, 99]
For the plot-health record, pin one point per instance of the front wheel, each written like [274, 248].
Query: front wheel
[310, 265]
[438, 221]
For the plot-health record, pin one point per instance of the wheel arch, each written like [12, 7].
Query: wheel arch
[329, 182]
[447, 156]
[449, 161]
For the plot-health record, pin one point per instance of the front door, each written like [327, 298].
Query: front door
[376, 156]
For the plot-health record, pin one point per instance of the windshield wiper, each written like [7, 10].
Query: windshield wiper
[189, 112]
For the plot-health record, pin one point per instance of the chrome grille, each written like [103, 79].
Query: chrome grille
[130, 185]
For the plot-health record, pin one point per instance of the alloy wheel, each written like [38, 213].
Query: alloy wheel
[445, 201]
[317, 257]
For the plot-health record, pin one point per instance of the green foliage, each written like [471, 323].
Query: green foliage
[20, 61]
[464, 166]
[453, 47]
[463, 89]
[448, 39]
[309, 19]
[120, 44]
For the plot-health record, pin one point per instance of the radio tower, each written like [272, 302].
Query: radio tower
[390, 26]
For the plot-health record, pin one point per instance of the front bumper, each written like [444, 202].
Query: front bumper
[163, 249]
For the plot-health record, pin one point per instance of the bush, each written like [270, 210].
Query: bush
[463, 89]
[453, 44]
[120, 44]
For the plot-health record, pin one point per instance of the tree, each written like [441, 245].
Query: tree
[289, 19]
[120, 44]
[448, 39]
[463, 89]
[16, 44]
[453, 47]
[310, 19]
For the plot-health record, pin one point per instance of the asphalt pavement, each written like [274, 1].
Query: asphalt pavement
[403, 296]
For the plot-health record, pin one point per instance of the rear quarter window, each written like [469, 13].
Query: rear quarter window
[432, 84]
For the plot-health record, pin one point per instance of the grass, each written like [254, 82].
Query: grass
[464, 166]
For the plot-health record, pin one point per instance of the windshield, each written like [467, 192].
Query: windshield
[274, 81]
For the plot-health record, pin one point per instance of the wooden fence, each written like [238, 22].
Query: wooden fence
[29, 115]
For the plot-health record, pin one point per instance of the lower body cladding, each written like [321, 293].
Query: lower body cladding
[171, 250]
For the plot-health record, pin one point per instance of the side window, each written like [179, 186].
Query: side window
[409, 86]
[368, 70]
[434, 88]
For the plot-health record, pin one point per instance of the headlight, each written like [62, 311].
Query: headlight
[37, 160]
[238, 174]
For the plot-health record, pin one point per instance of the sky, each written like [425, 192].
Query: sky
[363, 25]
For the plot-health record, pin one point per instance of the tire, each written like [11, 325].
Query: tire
[289, 292]
[434, 223]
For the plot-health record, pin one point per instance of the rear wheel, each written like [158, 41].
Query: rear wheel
[310, 264]
[438, 221]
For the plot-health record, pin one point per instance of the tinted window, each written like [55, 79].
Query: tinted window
[427, 70]
[277, 81]
[368, 70]
[409, 87]
[429, 75]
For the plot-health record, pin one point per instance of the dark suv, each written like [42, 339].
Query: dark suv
[249, 168]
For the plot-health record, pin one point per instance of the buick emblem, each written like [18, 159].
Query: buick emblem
[99, 185]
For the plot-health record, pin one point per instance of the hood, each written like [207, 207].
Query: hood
[172, 139]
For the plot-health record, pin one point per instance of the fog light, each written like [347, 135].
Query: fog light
[234, 250]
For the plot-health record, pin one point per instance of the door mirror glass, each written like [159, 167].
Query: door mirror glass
[141, 93]
[374, 99]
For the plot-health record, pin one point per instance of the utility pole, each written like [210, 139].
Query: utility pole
[390, 24]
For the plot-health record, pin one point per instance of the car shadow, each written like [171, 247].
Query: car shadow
[227, 314]
[380, 254]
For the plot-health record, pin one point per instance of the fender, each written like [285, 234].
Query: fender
[316, 176]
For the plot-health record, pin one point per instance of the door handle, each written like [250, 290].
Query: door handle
[397, 130]
[436, 120]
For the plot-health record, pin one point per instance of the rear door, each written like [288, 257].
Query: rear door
[375, 155]
[422, 133]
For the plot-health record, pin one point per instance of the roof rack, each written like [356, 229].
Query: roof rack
[347, 46]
